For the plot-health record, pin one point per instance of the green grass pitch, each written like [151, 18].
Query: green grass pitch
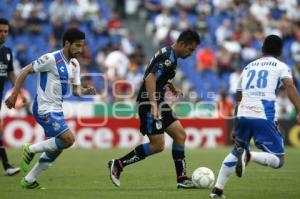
[83, 173]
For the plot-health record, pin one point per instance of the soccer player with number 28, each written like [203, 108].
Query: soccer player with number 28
[256, 95]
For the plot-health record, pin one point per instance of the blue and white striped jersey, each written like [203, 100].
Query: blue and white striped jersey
[259, 83]
[55, 74]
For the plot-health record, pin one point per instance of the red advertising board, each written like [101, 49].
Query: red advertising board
[111, 132]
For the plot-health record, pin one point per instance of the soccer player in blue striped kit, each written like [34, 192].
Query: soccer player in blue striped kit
[256, 118]
[56, 71]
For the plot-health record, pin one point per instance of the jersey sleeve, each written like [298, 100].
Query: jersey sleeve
[239, 85]
[75, 64]
[43, 63]
[285, 72]
[10, 66]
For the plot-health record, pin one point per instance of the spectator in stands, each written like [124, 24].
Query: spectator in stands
[117, 64]
[152, 7]
[128, 43]
[162, 25]
[225, 105]
[98, 25]
[58, 10]
[56, 34]
[34, 23]
[91, 9]
[201, 25]
[140, 55]
[188, 5]
[135, 74]
[260, 10]
[22, 55]
[206, 60]
[25, 7]
[224, 58]
[116, 25]
[17, 25]
[295, 47]
[224, 32]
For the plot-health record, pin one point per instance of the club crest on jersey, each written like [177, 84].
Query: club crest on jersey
[56, 126]
[8, 56]
[168, 62]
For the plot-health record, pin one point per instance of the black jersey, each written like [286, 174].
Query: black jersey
[163, 65]
[6, 66]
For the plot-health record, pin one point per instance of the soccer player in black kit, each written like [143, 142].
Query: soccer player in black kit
[6, 70]
[156, 117]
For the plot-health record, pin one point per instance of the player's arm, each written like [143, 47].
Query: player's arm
[292, 94]
[150, 83]
[78, 90]
[175, 91]
[12, 77]
[11, 100]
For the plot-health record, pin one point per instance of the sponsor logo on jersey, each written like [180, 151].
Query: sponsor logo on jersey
[253, 108]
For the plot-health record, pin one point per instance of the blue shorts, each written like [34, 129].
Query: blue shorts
[53, 123]
[264, 132]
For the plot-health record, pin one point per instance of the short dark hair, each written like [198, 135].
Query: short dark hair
[189, 36]
[272, 46]
[72, 34]
[4, 21]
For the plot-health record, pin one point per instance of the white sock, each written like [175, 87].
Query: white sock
[37, 169]
[264, 158]
[47, 145]
[227, 168]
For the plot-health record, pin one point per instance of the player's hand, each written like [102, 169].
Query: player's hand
[298, 118]
[177, 93]
[90, 91]
[11, 101]
[154, 111]
[174, 91]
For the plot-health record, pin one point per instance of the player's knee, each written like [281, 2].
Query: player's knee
[180, 137]
[68, 140]
[281, 162]
[157, 147]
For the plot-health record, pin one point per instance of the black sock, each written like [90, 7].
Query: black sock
[134, 156]
[179, 161]
[3, 154]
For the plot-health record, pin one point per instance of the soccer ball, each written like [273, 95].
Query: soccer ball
[203, 177]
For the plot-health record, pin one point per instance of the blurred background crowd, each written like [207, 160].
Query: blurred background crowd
[122, 35]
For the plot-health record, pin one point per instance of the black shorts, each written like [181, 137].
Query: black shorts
[149, 126]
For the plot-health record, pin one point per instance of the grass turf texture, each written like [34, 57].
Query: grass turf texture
[80, 173]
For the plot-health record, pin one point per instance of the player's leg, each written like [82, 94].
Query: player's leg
[269, 139]
[8, 169]
[228, 167]
[149, 127]
[177, 133]
[48, 156]
[140, 152]
[45, 161]
[56, 129]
